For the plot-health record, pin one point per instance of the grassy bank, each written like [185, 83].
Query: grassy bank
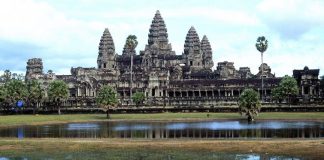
[13, 120]
[157, 149]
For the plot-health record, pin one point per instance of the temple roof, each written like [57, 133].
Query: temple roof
[306, 71]
[106, 45]
[192, 41]
[158, 32]
[206, 48]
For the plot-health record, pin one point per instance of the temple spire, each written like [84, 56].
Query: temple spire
[207, 52]
[158, 32]
[106, 50]
[192, 42]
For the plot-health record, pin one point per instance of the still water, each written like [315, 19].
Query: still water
[160, 130]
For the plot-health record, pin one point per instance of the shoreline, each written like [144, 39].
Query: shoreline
[312, 149]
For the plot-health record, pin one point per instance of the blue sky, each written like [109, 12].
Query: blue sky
[66, 33]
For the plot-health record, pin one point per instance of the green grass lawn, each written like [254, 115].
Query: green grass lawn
[12, 120]
[61, 148]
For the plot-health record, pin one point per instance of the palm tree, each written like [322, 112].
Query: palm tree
[35, 93]
[16, 91]
[58, 92]
[261, 45]
[249, 104]
[106, 97]
[131, 43]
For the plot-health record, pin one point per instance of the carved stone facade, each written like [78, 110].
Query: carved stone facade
[309, 84]
[165, 77]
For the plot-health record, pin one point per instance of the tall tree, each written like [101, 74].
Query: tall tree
[138, 98]
[3, 96]
[58, 92]
[261, 45]
[35, 93]
[106, 98]
[286, 89]
[131, 43]
[249, 104]
[16, 90]
[6, 76]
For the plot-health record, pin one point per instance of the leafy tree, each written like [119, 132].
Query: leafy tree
[287, 88]
[249, 104]
[35, 93]
[57, 93]
[277, 94]
[3, 96]
[106, 97]
[6, 76]
[138, 98]
[16, 90]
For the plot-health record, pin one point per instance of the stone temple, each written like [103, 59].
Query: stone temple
[167, 78]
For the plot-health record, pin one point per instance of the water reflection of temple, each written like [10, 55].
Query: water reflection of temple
[170, 130]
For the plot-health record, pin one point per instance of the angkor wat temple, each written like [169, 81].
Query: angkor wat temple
[167, 78]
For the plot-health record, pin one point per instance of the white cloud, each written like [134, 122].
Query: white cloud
[69, 37]
[292, 18]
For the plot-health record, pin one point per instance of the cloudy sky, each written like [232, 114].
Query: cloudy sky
[66, 33]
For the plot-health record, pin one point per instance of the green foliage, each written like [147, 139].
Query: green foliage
[131, 41]
[262, 44]
[58, 92]
[6, 76]
[287, 87]
[35, 92]
[106, 97]
[3, 95]
[277, 94]
[138, 98]
[249, 103]
[16, 90]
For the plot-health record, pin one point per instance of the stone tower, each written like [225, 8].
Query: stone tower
[207, 53]
[158, 35]
[158, 32]
[106, 56]
[158, 46]
[34, 68]
[192, 50]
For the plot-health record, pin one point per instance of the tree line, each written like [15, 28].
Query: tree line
[32, 93]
